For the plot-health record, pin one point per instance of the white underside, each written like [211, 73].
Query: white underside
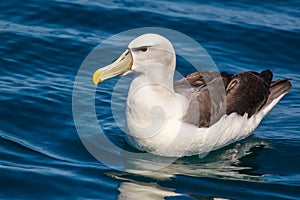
[174, 138]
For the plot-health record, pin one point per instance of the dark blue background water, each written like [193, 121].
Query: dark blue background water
[43, 44]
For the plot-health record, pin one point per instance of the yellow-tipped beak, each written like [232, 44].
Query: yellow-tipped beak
[119, 67]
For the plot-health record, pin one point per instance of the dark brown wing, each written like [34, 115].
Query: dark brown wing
[247, 92]
[206, 96]
[212, 94]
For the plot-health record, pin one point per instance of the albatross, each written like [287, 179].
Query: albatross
[202, 112]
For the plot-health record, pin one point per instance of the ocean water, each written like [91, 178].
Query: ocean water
[43, 45]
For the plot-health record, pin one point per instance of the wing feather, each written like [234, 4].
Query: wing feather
[210, 95]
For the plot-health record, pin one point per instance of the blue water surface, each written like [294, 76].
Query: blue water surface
[43, 44]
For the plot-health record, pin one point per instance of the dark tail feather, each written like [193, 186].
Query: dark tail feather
[267, 75]
[278, 88]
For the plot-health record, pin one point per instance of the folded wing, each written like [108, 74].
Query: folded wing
[211, 95]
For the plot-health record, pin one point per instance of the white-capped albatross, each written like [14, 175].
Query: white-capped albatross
[202, 112]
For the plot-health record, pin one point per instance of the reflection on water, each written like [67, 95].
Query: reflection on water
[231, 163]
[138, 190]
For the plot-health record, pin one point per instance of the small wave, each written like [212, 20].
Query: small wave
[23, 144]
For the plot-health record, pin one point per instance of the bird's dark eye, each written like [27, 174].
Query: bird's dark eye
[144, 49]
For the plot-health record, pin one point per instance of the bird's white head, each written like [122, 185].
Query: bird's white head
[152, 49]
[144, 51]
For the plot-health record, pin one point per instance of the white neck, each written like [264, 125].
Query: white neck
[154, 75]
[151, 101]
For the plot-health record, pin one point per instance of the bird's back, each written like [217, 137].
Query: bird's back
[211, 95]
